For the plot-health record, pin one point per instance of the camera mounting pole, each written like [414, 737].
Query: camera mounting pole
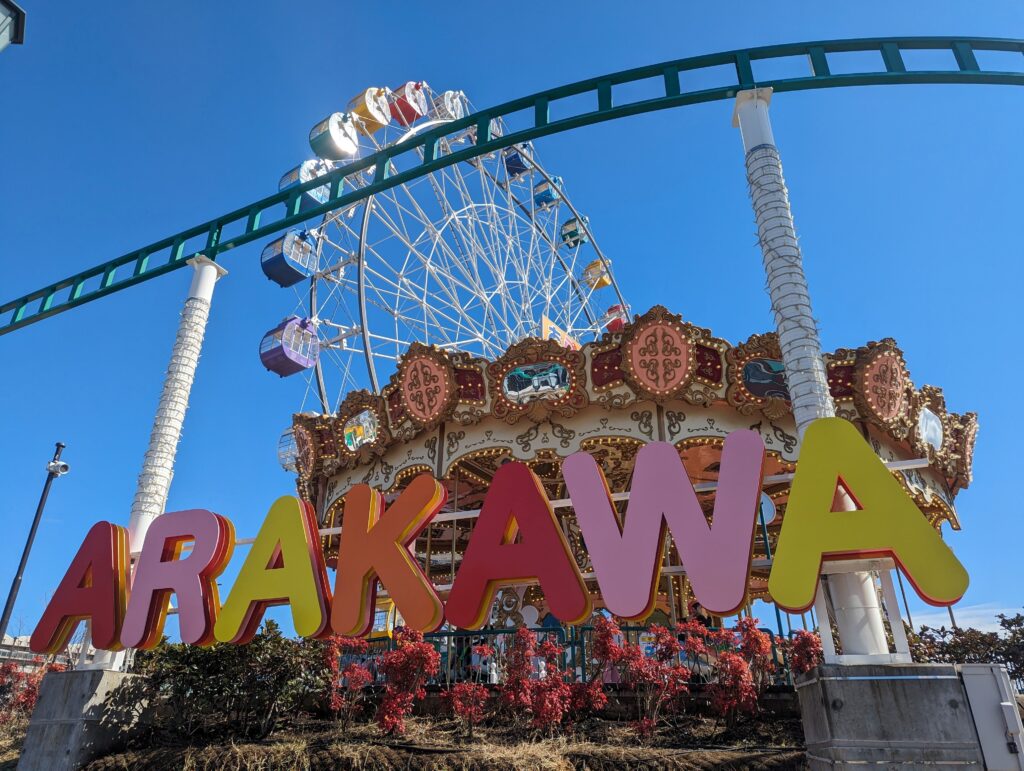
[55, 468]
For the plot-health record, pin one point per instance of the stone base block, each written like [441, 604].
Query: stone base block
[80, 715]
[887, 716]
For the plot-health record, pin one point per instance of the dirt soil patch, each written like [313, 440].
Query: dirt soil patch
[689, 742]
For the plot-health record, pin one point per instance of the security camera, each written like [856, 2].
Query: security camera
[58, 468]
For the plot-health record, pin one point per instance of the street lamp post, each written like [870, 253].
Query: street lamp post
[55, 468]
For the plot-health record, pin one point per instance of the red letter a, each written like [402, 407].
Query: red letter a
[516, 503]
[93, 588]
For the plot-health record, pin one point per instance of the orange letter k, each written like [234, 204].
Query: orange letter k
[376, 544]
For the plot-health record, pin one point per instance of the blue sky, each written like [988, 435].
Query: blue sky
[123, 123]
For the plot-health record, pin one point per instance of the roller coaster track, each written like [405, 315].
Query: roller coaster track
[277, 212]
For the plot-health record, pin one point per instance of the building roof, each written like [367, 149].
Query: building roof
[18, 14]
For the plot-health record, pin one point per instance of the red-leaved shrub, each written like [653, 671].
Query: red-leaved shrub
[733, 690]
[606, 647]
[345, 689]
[659, 681]
[695, 644]
[19, 691]
[515, 693]
[407, 669]
[586, 698]
[468, 701]
[644, 727]
[805, 651]
[756, 649]
[551, 695]
[484, 654]
[667, 646]
[352, 694]
[551, 699]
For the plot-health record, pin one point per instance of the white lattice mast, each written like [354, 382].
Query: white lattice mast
[158, 462]
[854, 599]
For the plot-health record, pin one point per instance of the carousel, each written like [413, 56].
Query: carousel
[657, 378]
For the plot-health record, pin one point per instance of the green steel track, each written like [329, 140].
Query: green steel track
[528, 117]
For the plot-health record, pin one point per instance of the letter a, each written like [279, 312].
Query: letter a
[516, 504]
[627, 556]
[886, 522]
[283, 567]
[93, 588]
[160, 572]
[375, 544]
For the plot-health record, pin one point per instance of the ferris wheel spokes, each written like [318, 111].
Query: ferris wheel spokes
[470, 258]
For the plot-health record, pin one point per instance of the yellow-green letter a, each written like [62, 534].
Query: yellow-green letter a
[284, 567]
[886, 523]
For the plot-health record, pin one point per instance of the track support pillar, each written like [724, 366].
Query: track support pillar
[854, 600]
[158, 462]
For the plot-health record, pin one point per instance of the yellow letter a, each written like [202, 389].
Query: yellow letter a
[284, 567]
[887, 522]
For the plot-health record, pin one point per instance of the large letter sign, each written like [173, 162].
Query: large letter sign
[627, 556]
[517, 540]
[886, 522]
[284, 566]
[161, 572]
[375, 542]
[93, 589]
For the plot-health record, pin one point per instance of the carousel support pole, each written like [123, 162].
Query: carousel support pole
[455, 508]
[158, 462]
[430, 530]
[858, 613]
[671, 588]
[768, 556]
[454, 530]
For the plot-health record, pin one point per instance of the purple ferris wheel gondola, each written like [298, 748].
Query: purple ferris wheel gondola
[290, 347]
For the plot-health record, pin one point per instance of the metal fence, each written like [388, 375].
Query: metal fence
[459, 663]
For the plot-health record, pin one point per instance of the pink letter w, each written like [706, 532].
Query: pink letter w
[627, 556]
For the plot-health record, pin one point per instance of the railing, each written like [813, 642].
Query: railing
[665, 85]
[455, 648]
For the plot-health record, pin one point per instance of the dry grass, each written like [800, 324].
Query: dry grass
[438, 745]
[548, 755]
[11, 736]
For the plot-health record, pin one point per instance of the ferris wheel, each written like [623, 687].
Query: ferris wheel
[473, 257]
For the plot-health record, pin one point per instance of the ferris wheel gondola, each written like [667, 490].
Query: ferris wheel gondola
[289, 259]
[335, 138]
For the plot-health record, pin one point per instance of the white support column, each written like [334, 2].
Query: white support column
[892, 606]
[858, 614]
[158, 462]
